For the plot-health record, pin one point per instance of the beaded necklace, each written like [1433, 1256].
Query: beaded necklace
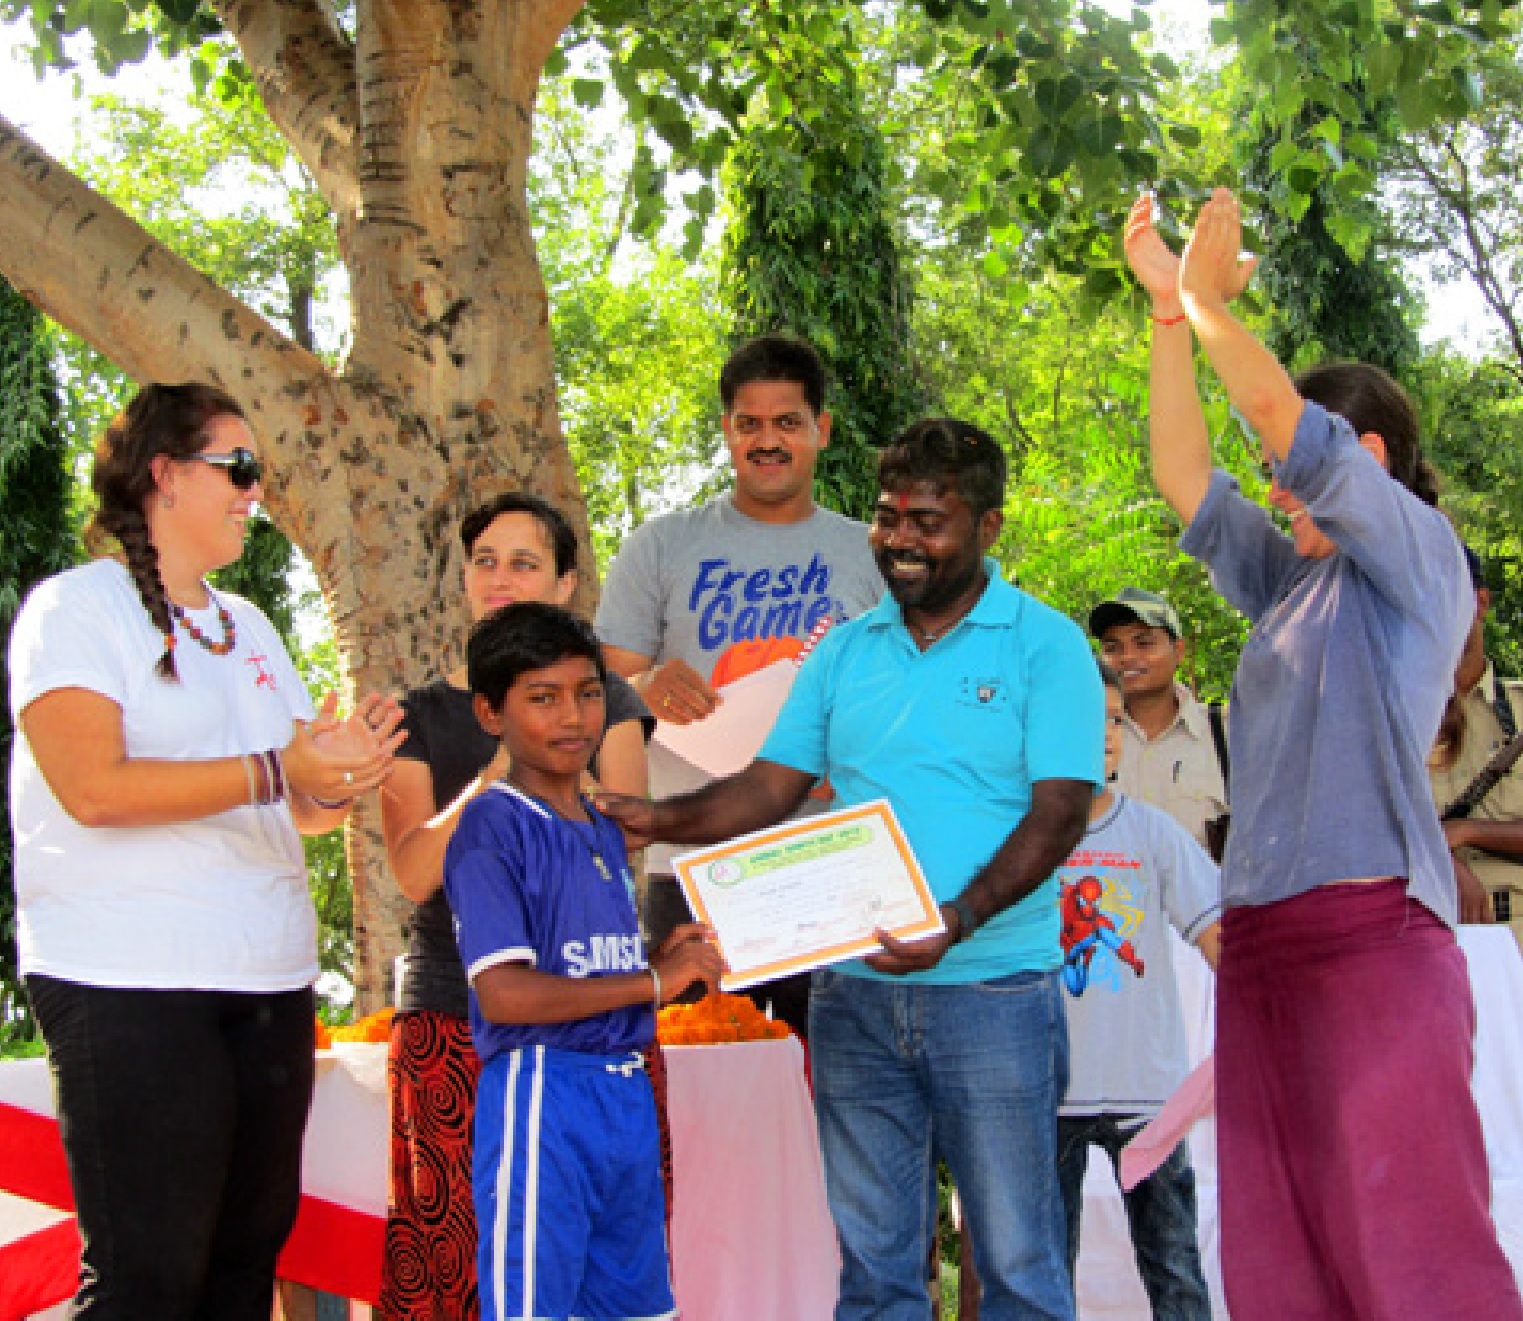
[229, 629]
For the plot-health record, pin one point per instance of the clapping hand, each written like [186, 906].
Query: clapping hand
[1152, 261]
[337, 759]
[1214, 270]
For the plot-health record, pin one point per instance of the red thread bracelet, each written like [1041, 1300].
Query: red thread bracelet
[1168, 320]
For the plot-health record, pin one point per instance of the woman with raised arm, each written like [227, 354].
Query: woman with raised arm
[167, 763]
[517, 548]
[1353, 1174]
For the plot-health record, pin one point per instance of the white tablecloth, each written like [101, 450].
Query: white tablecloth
[1109, 1288]
[751, 1235]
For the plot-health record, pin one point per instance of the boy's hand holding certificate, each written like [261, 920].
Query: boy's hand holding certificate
[808, 893]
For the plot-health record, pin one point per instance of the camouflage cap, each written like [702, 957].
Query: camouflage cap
[1133, 605]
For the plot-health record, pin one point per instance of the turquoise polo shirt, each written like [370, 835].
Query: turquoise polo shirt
[954, 738]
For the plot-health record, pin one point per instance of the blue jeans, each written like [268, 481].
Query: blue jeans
[1160, 1212]
[906, 1074]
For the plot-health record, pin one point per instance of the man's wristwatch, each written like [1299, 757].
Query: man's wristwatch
[967, 924]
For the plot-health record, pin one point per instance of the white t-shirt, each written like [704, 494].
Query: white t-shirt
[1136, 872]
[219, 903]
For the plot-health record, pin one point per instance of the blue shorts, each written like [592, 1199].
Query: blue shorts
[567, 1178]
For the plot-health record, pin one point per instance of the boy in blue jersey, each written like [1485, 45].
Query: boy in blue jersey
[566, 1172]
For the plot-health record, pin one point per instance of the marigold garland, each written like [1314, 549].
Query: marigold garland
[714, 1020]
[373, 1027]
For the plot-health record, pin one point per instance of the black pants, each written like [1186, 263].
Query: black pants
[787, 998]
[182, 1115]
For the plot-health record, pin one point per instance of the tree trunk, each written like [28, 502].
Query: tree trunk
[422, 149]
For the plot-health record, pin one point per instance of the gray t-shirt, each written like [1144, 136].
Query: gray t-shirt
[1343, 679]
[1126, 1033]
[729, 595]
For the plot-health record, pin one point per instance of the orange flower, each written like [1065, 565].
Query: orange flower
[716, 1018]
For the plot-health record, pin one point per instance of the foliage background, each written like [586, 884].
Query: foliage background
[931, 192]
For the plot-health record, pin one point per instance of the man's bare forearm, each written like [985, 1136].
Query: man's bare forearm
[759, 796]
[1034, 850]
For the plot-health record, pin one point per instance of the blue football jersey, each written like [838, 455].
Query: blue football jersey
[527, 886]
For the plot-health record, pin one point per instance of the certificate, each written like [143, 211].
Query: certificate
[809, 892]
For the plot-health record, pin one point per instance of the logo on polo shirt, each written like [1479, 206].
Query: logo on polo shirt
[991, 694]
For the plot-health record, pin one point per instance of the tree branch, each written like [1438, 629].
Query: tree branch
[304, 66]
[543, 24]
[96, 271]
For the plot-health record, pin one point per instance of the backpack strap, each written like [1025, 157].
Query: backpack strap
[1219, 737]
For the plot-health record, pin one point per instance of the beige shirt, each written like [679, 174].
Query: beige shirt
[1481, 738]
[1178, 771]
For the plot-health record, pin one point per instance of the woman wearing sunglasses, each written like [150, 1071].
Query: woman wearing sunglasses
[168, 761]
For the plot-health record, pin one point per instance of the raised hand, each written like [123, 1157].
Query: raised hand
[1151, 259]
[1213, 270]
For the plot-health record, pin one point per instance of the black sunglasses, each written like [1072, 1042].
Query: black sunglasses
[242, 466]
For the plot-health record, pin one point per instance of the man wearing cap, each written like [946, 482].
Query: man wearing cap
[1486, 835]
[1169, 754]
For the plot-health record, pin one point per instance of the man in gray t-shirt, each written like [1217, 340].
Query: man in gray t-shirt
[700, 597]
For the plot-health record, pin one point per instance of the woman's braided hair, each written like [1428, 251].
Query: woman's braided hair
[167, 420]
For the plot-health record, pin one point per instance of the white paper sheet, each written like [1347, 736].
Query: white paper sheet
[727, 740]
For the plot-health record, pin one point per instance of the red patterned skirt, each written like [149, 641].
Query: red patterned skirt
[429, 1270]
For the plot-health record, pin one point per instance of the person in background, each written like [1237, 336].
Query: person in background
[700, 597]
[168, 762]
[517, 548]
[1483, 825]
[1135, 872]
[1340, 979]
[1173, 752]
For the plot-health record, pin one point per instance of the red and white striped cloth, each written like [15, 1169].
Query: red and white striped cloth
[334, 1248]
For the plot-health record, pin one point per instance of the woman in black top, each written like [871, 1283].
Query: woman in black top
[518, 548]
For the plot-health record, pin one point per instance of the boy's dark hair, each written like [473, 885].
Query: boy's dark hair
[946, 452]
[1369, 400]
[774, 358]
[558, 530]
[1108, 675]
[527, 635]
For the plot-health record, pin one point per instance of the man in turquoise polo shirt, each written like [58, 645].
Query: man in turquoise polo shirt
[978, 712]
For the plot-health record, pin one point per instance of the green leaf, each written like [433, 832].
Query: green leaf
[588, 92]
[1051, 152]
[1056, 96]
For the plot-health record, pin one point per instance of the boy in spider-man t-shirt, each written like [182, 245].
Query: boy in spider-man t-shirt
[566, 1174]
